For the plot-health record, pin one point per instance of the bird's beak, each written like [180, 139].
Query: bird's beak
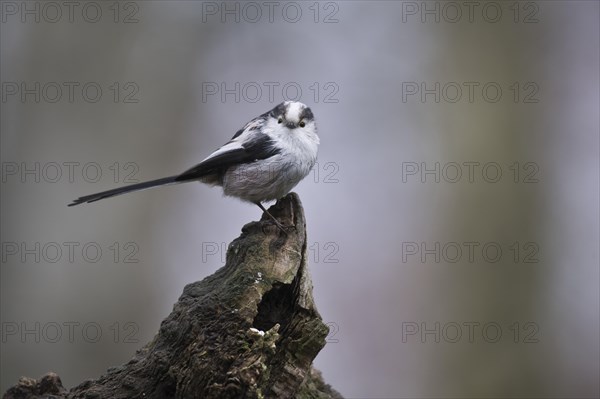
[290, 125]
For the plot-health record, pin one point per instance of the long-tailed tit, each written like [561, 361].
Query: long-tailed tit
[262, 162]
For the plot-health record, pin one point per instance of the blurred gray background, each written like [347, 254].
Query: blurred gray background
[177, 79]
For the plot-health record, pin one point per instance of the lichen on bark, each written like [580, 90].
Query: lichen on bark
[250, 330]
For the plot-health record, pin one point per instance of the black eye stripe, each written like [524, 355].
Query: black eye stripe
[280, 110]
[306, 114]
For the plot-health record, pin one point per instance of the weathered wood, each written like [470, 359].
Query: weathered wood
[250, 330]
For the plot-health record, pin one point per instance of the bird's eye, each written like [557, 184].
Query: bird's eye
[302, 124]
[280, 120]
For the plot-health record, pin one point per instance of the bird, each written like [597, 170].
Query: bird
[263, 161]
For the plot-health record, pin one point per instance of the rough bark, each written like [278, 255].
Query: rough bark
[250, 330]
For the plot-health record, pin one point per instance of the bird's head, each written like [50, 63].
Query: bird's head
[293, 115]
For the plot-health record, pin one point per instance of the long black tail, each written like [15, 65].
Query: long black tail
[127, 189]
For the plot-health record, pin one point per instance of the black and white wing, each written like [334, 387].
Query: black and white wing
[246, 146]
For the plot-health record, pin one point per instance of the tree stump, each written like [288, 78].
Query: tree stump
[250, 330]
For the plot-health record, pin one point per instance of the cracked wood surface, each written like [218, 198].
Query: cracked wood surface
[250, 330]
